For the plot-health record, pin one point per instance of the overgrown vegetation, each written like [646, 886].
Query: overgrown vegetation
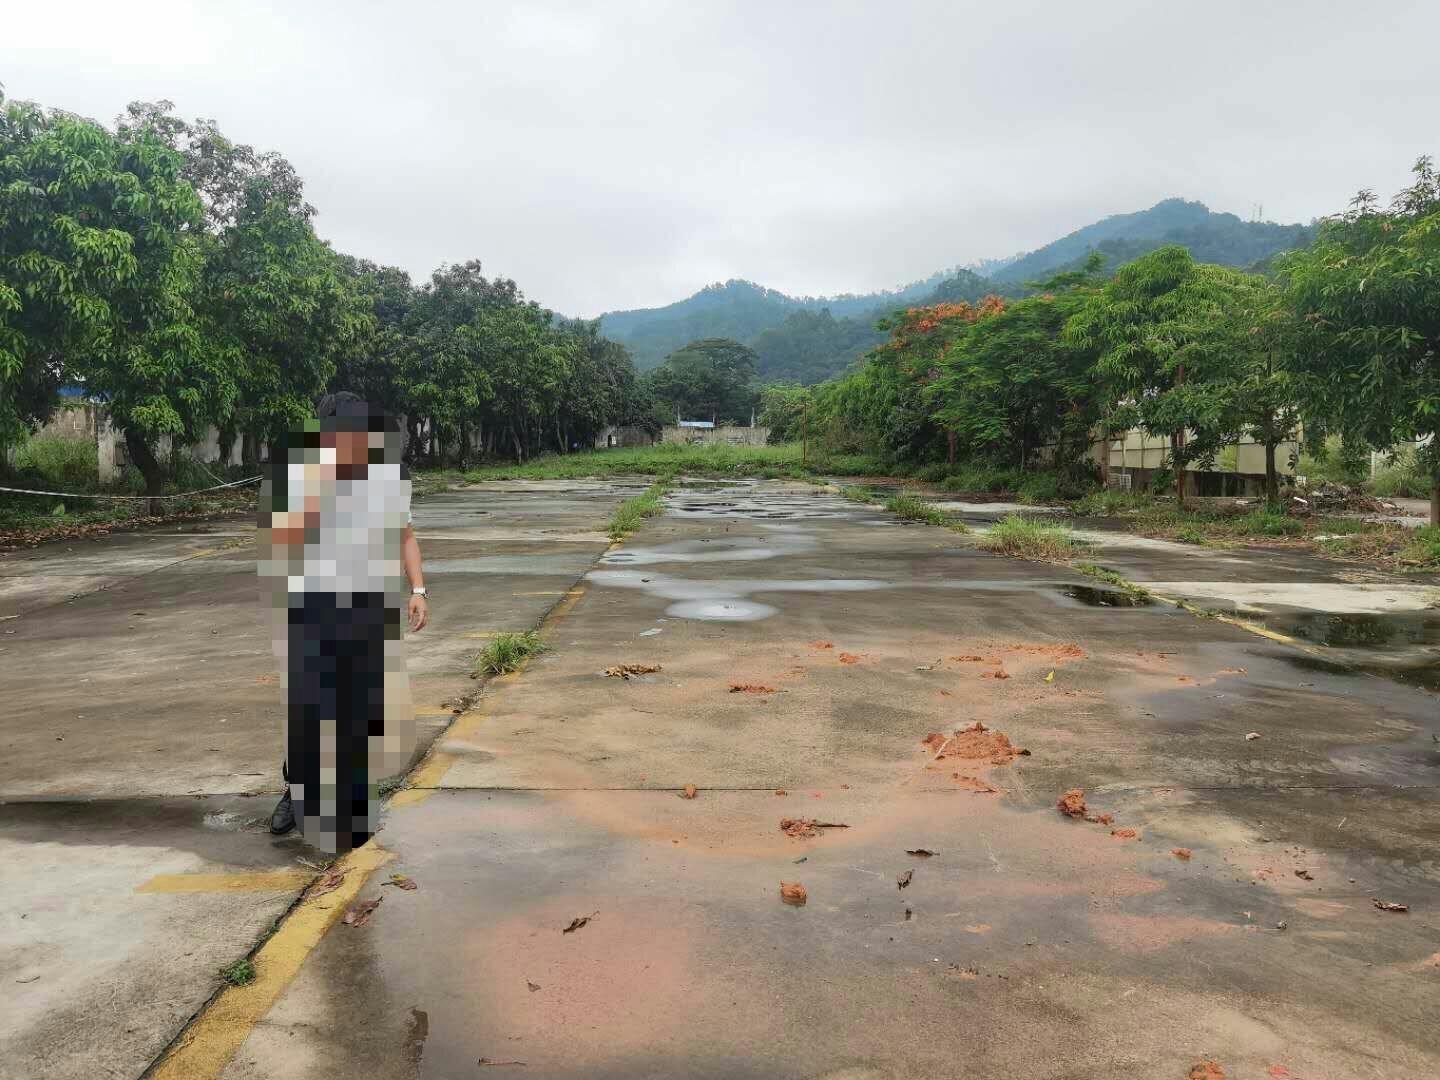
[1026, 538]
[506, 652]
[631, 514]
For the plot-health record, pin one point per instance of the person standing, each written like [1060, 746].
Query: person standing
[337, 551]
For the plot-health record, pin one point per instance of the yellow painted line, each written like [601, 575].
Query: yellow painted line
[411, 796]
[260, 881]
[1229, 620]
[482, 633]
[210, 1042]
[548, 592]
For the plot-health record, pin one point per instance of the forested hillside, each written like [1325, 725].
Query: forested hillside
[808, 339]
[1222, 239]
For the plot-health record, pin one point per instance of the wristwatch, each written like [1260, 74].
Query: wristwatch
[420, 590]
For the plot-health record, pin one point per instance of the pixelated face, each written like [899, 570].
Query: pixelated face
[351, 447]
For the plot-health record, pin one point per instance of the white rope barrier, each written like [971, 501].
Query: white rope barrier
[91, 495]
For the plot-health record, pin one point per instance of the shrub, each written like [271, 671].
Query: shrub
[912, 509]
[1269, 523]
[57, 463]
[1039, 488]
[1424, 549]
[1402, 478]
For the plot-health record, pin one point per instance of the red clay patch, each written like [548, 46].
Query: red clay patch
[969, 659]
[822, 644]
[974, 783]
[792, 892]
[1068, 651]
[849, 658]
[998, 673]
[1206, 1070]
[1181, 853]
[1125, 834]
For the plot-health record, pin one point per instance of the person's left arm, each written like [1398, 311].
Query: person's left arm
[419, 607]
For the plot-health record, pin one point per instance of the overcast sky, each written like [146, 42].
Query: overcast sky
[623, 154]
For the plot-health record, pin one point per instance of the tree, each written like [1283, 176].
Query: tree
[1167, 343]
[1368, 293]
[101, 262]
[709, 378]
[783, 409]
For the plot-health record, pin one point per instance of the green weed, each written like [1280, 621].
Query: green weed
[631, 514]
[1110, 577]
[240, 973]
[914, 509]
[506, 652]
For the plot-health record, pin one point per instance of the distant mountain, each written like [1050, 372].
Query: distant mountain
[1211, 237]
[808, 339]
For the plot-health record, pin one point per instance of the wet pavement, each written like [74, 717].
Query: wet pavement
[806, 647]
[139, 755]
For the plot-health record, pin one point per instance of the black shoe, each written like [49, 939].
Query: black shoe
[283, 819]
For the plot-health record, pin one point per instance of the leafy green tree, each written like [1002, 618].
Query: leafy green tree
[783, 409]
[101, 263]
[1167, 340]
[707, 378]
[1368, 292]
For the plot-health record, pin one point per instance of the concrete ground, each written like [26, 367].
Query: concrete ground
[806, 646]
[139, 755]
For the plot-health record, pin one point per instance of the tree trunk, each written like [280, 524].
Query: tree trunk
[1272, 480]
[143, 458]
[248, 451]
[950, 448]
[1177, 443]
[1435, 504]
[225, 442]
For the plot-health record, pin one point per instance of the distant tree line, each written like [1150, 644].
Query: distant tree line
[1341, 338]
[177, 276]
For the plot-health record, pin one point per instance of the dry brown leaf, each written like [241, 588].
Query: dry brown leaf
[360, 914]
[690, 792]
[920, 852]
[577, 922]
[792, 892]
[624, 671]
[329, 881]
[751, 688]
[401, 881]
[903, 881]
[1388, 905]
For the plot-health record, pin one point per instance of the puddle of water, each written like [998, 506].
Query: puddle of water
[1425, 676]
[720, 549]
[724, 599]
[1090, 596]
[1362, 631]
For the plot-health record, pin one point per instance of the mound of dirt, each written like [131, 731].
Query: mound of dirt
[1206, 1070]
[973, 743]
[1072, 803]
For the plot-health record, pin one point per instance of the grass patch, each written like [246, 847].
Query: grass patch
[389, 785]
[240, 973]
[631, 514]
[1024, 538]
[1111, 502]
[915, 509]
[1110, 577]
[1424, 549]
[506, 652]
[667, 459]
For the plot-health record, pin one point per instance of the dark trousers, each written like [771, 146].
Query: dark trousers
[337, 702]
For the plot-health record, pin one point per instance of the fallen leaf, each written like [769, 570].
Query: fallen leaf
[31, 979]
[1181, 853]
[487, 1061]
[903, 881]
[1050, 677]
[751, 688]
[1280, 1072]
[1387, 905]
[792, 892]
[401, 881]
[1125, 834]
[1305, 875]
[1252, 736]
[920, 852]
[1072, 803]
[533, 986]
[577, 922]
[690, 791]
[624, 671]
[781, 791]
[1101, 819]
[360, 914]
[329, 882]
